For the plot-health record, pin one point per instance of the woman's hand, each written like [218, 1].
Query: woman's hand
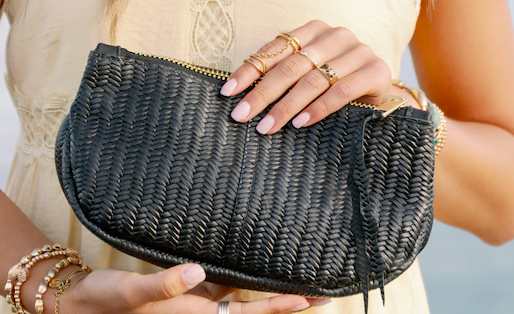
[123, 292]
[362, 75]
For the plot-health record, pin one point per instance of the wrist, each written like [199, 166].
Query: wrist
[71, 300]
[36, 273]
[411, 100]
[436, 114]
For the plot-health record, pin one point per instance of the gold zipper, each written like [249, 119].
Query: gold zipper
[222, 75]
[362, 104]
[218, 74]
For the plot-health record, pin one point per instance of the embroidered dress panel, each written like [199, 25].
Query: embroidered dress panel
[212, 33]
[40, 119]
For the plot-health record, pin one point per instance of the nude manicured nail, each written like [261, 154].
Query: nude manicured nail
[266, 124]
[301, 119]
[301, 307]
[229, 87]
[323, 302]
[193, 275]
[241, 111]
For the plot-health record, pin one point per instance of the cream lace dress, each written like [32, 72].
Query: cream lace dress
[47, 51]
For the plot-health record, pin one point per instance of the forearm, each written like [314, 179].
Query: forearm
[465, 64]
[473, 181]
[19, 238]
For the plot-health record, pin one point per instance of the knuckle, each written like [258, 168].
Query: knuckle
[285, 109]
[343, 33]
[365, 51]
[270, 47]
[289, 67]
[344, 90]
[384, 69]
[322, 108]
[259, 94]
[382, 77]
[315, 81]
[317, 24]
[169, 287]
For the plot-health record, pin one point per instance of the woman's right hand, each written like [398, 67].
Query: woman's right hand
[119, 291]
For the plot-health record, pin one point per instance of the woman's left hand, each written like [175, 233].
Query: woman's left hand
[362, 75]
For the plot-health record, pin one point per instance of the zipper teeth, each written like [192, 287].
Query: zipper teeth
[222, 75]
[218, 74]
[362, 104]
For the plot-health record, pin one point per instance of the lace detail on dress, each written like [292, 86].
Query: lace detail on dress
[40, 120]
[212, 33]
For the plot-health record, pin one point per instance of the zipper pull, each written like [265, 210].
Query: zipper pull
[401, 102]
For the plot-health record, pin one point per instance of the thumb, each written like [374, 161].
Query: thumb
[168, 284]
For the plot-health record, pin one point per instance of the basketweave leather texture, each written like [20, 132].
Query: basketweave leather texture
[152, 163]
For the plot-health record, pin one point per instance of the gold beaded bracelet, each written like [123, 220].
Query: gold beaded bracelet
[20, 272]
[440, 132]
[438, 117]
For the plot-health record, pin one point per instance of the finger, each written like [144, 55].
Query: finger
[247, 74]
[288, 72]
[166, 284]
[318, 302]
[310, 87]
[252, 69]
[213, 291]
[275, 305]
[365, 81]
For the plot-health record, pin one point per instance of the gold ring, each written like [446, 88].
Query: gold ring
[254, 65]
[329, 73]
[314, 63]
[263, 65]
[223, 307]
[291, 38]
[274, 54]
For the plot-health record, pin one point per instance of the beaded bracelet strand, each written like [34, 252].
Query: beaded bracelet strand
[20, 272]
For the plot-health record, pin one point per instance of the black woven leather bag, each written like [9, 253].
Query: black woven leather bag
[152, 163]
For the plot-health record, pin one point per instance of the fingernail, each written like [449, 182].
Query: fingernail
[229, 87]
[301, 119]
[323, 302]
[266, 124]
[241, 111]
[193, 275]
[301, 307]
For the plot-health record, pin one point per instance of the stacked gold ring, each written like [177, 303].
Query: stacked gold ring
[314, 63]
[291, 39]
[263, 71]
[329, 73]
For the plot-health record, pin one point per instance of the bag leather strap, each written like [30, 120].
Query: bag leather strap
[366, 213]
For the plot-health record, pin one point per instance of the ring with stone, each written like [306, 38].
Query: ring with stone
[329, 73]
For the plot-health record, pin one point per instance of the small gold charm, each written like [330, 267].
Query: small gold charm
[55, 283]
